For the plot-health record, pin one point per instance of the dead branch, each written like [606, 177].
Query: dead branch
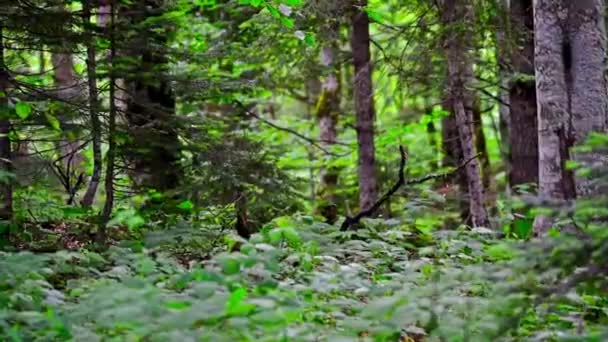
[351, 221]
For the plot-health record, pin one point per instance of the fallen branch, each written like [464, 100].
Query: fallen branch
[350, 221]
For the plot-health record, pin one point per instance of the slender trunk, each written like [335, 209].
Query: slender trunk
[431, 132]
[327, 110]
[6, 189]
[460, 12]
[452, 155]
[481, 146]
[111, 154]
[41, 61]
[364, 106]
[522, 97]
[313, 89]
[504, 110]
[242, 220]
[588, 96]
[89, 196]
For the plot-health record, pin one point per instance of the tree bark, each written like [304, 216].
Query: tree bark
[522, 97]
[6, 189]
[503, 56]
[364, 105]
[89, 196]
[570, 61]
[480, 145]
[327, 111]
[452, 155]
[106, 213]
[588, 97]
[456, 14]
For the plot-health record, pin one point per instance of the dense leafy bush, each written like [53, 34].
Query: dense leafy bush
[300, 280]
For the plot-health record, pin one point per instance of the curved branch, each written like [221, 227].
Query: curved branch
[351, 221]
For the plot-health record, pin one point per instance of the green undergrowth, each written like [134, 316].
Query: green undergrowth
[301, 280]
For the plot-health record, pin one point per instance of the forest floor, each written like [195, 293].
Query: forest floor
[296, 280]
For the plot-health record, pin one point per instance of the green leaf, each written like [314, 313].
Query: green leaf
[287, 22]
[55, 124]
[176, 305]
[236, 305]
[231, 266]
[186, 205]
[23, 110]
[310, 39]
[374, 15]
[294, 2]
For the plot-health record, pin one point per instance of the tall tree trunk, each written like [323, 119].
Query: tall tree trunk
[431, 132]
[364, 106]
[522, 96]
[106, 213]
[89, 196]
[6, 190]
[452, 155]
[460, 12]
[588, 98]
[504, 110]
[154, 148]
[481, 146]
[570, 55]
[327, 111]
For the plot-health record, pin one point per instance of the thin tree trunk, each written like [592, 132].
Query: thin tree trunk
[522, 97]
[364, 106]
[111, 154]
[481, 146]
[452, 155]
[327, 110]
[504, 109]
[431, 132]
[89, 196]
[6, 190]
[461, 12]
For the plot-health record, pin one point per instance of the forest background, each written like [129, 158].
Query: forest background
[303, 170]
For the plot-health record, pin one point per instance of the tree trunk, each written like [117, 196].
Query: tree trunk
[481, 146]
[327, 111]
[522, 97]
[364, 106]
[504, 110]
[106, 213]
[153, 150]
[452, 155]
[89, 196]
[431, 132]
[588, 97]
[570, 55]
[460, 12]
[6, 189]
